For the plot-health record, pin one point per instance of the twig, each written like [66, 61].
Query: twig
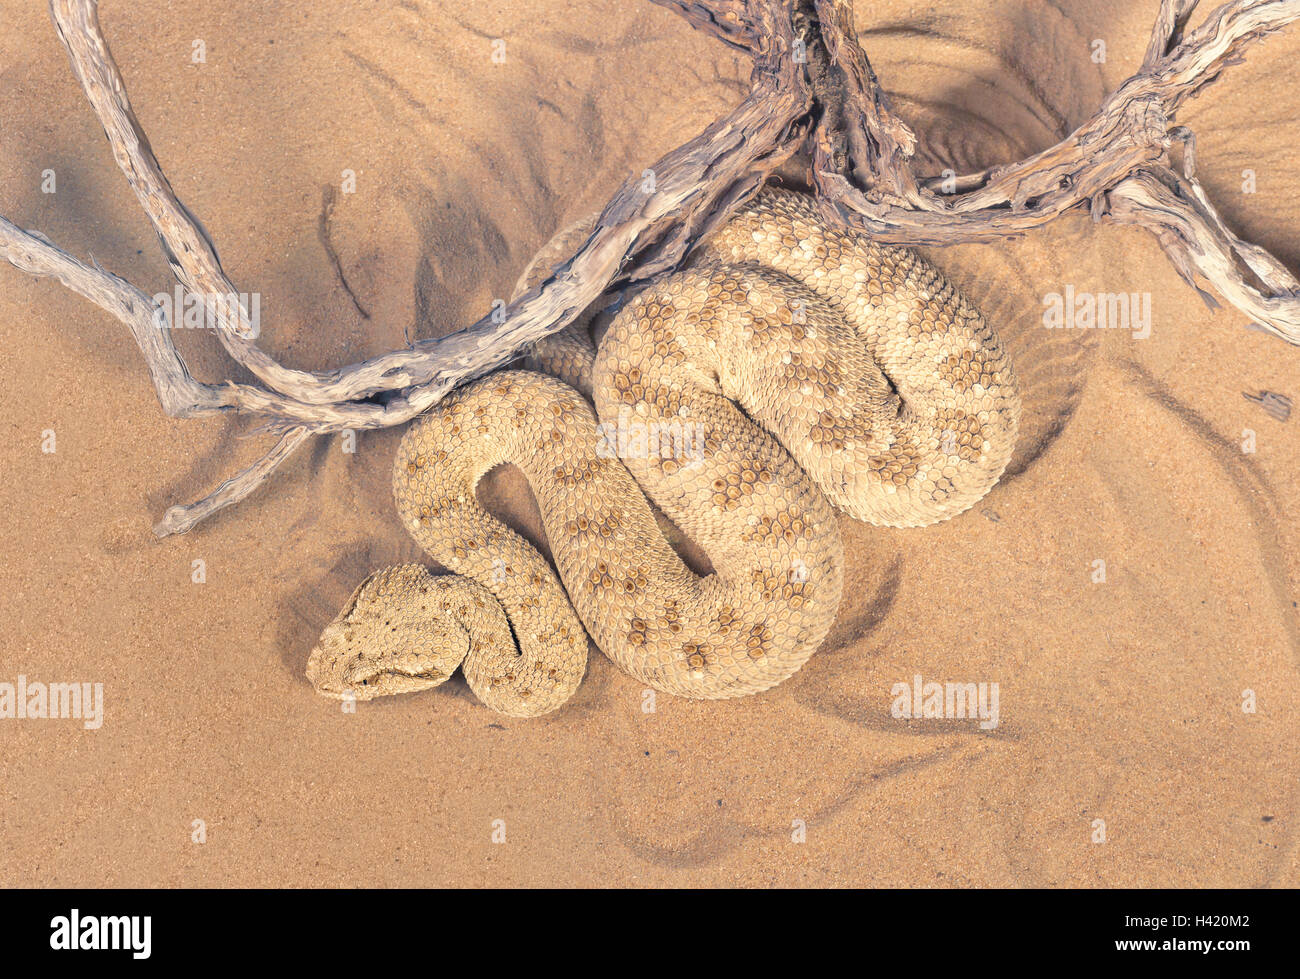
[179, 519]
[1176, 210]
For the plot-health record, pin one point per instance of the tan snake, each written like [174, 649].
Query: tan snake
[790, 368]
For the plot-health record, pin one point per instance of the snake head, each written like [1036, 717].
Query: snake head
[392, 636]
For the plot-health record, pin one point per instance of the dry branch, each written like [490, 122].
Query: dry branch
[813, 91]
[727, 20]
[1175, 208]
[179, 519]
[737, 147]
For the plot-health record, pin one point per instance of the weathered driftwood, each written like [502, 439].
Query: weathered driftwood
[813, 92]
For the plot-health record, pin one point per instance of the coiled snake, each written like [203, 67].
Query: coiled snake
[789, 369]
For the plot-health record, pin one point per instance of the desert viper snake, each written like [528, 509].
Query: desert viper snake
[788, 369]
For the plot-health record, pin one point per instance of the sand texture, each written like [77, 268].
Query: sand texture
[1120, 701]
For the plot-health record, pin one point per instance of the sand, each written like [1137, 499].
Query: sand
[1122, 753]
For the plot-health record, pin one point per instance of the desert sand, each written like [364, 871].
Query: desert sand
[1120, 701]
